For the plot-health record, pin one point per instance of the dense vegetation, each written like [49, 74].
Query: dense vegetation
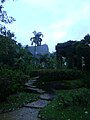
[16, 101]
[16, 64]
[68, 68]
[57, 74]
[76, 54]
[68, 105]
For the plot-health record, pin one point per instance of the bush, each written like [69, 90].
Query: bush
[68, 105]
[11, 82]
[17, 100]
[4, 86]
[78, 97]
[57, 75]
[87, 81]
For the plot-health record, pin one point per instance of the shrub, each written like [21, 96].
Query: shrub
[78, 97]
[16, 101]
[4, 86]
[68, 105]
[11, 82]
[55, 75]
[87, 81]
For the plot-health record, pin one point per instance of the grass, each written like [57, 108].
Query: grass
[16, 101]
[68, 105]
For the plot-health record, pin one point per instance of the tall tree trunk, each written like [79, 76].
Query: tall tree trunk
[35, 50]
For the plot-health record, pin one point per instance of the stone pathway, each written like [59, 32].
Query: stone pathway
[47, 96]
[21, 114]
[34, 90]
[29, 87]
[30, 111]
[37, 104]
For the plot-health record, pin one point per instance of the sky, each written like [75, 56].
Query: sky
[58, 20]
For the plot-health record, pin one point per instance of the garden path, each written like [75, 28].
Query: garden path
[30, 111]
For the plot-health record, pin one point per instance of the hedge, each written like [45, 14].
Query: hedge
[55, 75]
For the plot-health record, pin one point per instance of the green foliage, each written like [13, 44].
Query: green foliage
[73, 52]
[11, 82]
[36, 39]
[78, 97]
[47, 61]
[3, 14]
[86, 80]
[53, 75]
[68, 105]
[14, 55]
[15, 65]
[17, 100]
[4, 86]
[7, 51]
[58, 79]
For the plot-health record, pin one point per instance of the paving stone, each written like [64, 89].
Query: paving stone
[47, 96]
[21, 114]
[30, 82]
[35, 90]
[30, 85]
[37, 104]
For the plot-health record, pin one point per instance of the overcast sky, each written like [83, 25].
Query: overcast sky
[58, 20]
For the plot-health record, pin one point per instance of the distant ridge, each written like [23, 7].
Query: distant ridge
[43, 49]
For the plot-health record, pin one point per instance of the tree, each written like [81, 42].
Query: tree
[77, 53]
[65, 50]
[4, 18]
[3, 14]
[36, 39]
[8, 50]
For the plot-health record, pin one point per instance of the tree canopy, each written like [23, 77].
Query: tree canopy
[76, 53]
[37, 39]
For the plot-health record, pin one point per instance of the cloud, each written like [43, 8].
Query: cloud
[58, 34]
[58, 20]
[62, 24]
[43, 5]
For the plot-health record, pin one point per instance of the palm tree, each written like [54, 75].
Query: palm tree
[36, 39]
